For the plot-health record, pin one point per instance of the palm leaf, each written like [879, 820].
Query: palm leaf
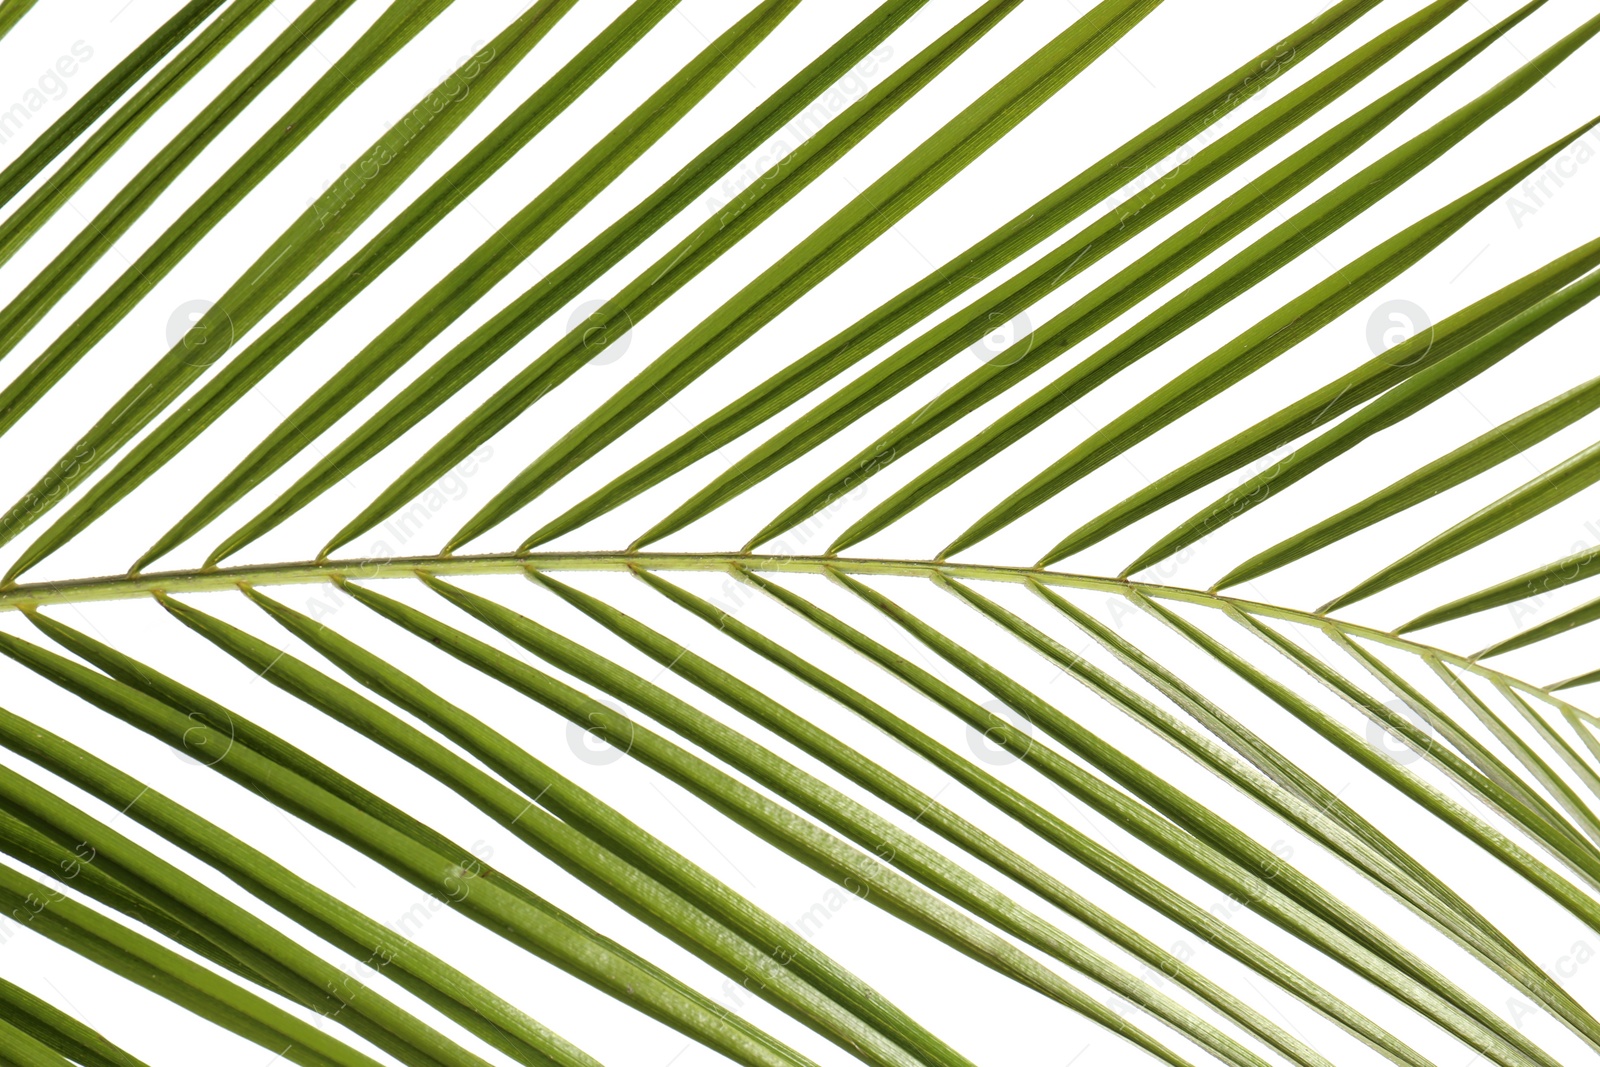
[1031, 780]
[99, 146]
[1107, 300]
[11, 12]
[1426, 366]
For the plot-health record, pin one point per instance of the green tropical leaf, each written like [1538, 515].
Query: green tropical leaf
[287, 261]
[1481, 453]
[59, 1032]
[1033, 225]
[1426, 366]
[70, 265]
[789, 807]
[1108, 299]
[470, 279]
[1264, 341]
[11, 13]
[100, 145]
[1274, 249]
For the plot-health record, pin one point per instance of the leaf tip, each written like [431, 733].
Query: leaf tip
[1234, 577]
[1574, 682]
[1421, 622]
[842, 542]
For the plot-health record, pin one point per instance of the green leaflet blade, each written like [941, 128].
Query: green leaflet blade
[420, 972]
[1577, 680]
[879, 883]
[868, 215]
[1548, 733]
[1532, 498]
[23, 1048]
[314, 236]
[85, 111]
[59, 1031]
[1062, 835]
[1404, 781]
[1427, 366]
[1569, 620]
[1135, 282]
[209, 733]
[453, 295]
[1257, 346]
[446, 301]
[1028, 228]
[1341, 829]
[1027, 814]
[126, 952]
[1535, 583]
[302, 974]
[456, 882]
[11, 13]
[102, 143]
[1487, 450]
[648, 290]
[45, 289]
[1101, 305]
[32, 846]
[948, 878]
[600, 870]
[486, 344]
[1568, 797]
[1496, 844]
[1194, 835]
[1494, 769]
[596, 819]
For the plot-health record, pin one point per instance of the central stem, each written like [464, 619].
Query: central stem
[215, 579]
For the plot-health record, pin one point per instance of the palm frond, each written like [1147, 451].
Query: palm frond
[1031, 780]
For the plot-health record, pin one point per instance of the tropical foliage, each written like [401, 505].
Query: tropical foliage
[677, 524]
